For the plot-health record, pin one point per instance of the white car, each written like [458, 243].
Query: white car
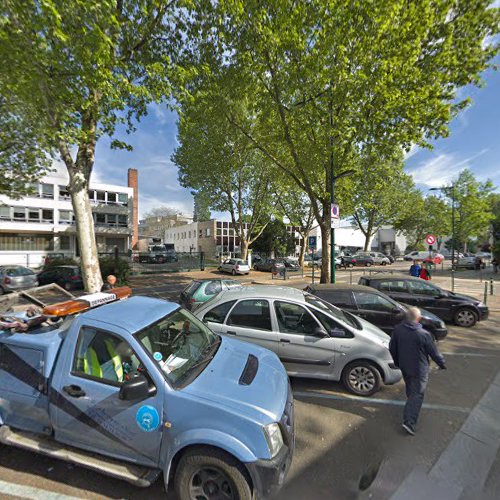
[484, 256]
[235, 266]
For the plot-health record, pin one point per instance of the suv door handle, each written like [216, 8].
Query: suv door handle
[74, 391]
[230, 332]
[285, 340]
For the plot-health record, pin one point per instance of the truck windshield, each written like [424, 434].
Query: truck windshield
[181, 345]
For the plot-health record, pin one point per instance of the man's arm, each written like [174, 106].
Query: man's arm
[433, 352]
[393, 348]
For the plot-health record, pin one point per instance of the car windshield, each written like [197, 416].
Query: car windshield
[18, 271]
[180, 345]
[337, 313]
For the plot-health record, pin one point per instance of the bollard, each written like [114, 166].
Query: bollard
[491, 286]
[350, 278]
[485, 292]
[452, 279]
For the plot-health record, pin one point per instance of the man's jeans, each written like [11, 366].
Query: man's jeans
[415, 391]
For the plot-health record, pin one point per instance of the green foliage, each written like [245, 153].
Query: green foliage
[380, 191]
[201, 207]
[423, 216]
[119, 267]
[275, 238]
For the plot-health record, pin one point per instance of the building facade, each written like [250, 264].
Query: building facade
[44, 221]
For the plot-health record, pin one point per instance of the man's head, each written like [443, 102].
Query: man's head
[413, 314]
[111, 279]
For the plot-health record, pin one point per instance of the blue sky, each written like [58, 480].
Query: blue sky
[474, 143]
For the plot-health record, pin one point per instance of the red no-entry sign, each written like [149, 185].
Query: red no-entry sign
[430, 239]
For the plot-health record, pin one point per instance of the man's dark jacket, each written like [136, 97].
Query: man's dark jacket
[411, 346]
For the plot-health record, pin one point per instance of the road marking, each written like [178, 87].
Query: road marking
[375, 401]
[476, 354]
[31, 493]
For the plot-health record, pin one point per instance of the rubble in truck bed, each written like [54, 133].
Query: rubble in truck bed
[39, 296]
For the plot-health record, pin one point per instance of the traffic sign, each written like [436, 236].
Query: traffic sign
[335, 211]
[430, 239]
[312, 242]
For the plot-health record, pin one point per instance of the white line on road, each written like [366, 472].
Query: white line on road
[476, 354]
[375, 401]
[31, 493]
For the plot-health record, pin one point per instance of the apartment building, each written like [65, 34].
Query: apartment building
[44, 221]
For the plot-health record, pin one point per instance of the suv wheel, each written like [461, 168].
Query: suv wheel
[465, 317]
[361, 378]
[211, 474]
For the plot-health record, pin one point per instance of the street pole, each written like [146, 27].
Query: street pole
[332, 201]
[452, 237]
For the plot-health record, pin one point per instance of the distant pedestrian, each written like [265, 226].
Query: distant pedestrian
[494, 263]
[109, 284]
[415, 269]
[410, 348]
[425, 274]
[478, 263]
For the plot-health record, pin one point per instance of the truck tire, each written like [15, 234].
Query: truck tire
[361, 378]
[211, 473]
[465, 317]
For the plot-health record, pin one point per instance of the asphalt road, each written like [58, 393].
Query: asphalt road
[339, 438]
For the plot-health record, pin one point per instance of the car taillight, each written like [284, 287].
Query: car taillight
[74, 278]
[237, 266]
[7, 280]
[192, 299]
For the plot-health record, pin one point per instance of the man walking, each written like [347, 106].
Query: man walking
[415, 269]
[411, 346]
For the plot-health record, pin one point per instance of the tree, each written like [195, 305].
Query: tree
[473, 210]
[325, 80]
[296, 207]
[201, 207]
[425, 215]
[223, 166]
[275, 239]
[79, 70]
[380, 192]
[23, 159]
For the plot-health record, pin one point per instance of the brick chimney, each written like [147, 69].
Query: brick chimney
[133, 182]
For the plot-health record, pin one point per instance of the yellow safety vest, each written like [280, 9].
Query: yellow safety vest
[91, 365]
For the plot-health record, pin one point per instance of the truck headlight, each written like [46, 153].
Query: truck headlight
[274, 438]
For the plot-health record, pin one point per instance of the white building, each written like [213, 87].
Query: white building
[44, 221]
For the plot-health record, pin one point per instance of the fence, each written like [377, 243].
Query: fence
[287, 273]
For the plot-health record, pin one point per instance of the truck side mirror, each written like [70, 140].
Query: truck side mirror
[136, 388]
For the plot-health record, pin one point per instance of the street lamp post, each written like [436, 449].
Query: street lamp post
[451, 190]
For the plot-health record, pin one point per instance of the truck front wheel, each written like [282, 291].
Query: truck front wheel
[211, 474]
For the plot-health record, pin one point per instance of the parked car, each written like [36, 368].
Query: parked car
[435, 258]
[270, 265]
[484, 256]
[378, 257]
[466, 263]
[447, 254]
[68, 277]
[363, 260]
[53, 256]
[391, 258]
[235, 266]
[449, 306]
[313, 338]
[139, 388]
[310, 259]
[290, 263]
[350, 260]
[375, 306]
[15, 278]
[199, 291]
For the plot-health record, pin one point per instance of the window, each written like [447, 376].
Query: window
[47, 215]
[393, 286]
[337, 313]
[422, 288]
[64, 243]
[47, 191]
[100, 196]
[112, 198]
[111, 243]
[373, 302]
[112, 219]
[251, 314]
[33, 215]
[293, 318]
[122, 220]
[123, 198]
[64, 193]
[200, 233]
[341, 298]
[218, 314]
[65, 217]
[207, 232]
[92, 195]
[4, 212]
[213, 287]
[103, 356]
[100, 219]
[11, 241]
[329, 324]
[19, 213]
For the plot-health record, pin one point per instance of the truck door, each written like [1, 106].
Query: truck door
[86, 409]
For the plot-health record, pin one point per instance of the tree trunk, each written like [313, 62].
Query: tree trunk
[302, 251]
[243, 248]
[79, 189]
[325, 227]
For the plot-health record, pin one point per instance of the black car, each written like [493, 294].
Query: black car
[363, 260]
[449, 306]
[375, 307]
[68, 277]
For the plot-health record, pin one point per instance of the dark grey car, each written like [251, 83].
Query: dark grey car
[14, 278]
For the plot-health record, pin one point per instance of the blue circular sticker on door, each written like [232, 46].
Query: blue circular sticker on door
[147, 418]
[157, 355]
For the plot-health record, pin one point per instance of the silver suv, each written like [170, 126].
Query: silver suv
[379, 259]
[313, 338]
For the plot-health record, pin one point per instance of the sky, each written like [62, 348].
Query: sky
[474, 143]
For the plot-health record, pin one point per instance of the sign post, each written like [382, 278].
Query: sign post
[430, 239]
[335, 222]
[312, 241]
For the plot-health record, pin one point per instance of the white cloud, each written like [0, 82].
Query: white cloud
[441, 169]
[413, 150]
[147, 203]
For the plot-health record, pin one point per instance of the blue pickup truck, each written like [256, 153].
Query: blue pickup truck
[138, 387]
